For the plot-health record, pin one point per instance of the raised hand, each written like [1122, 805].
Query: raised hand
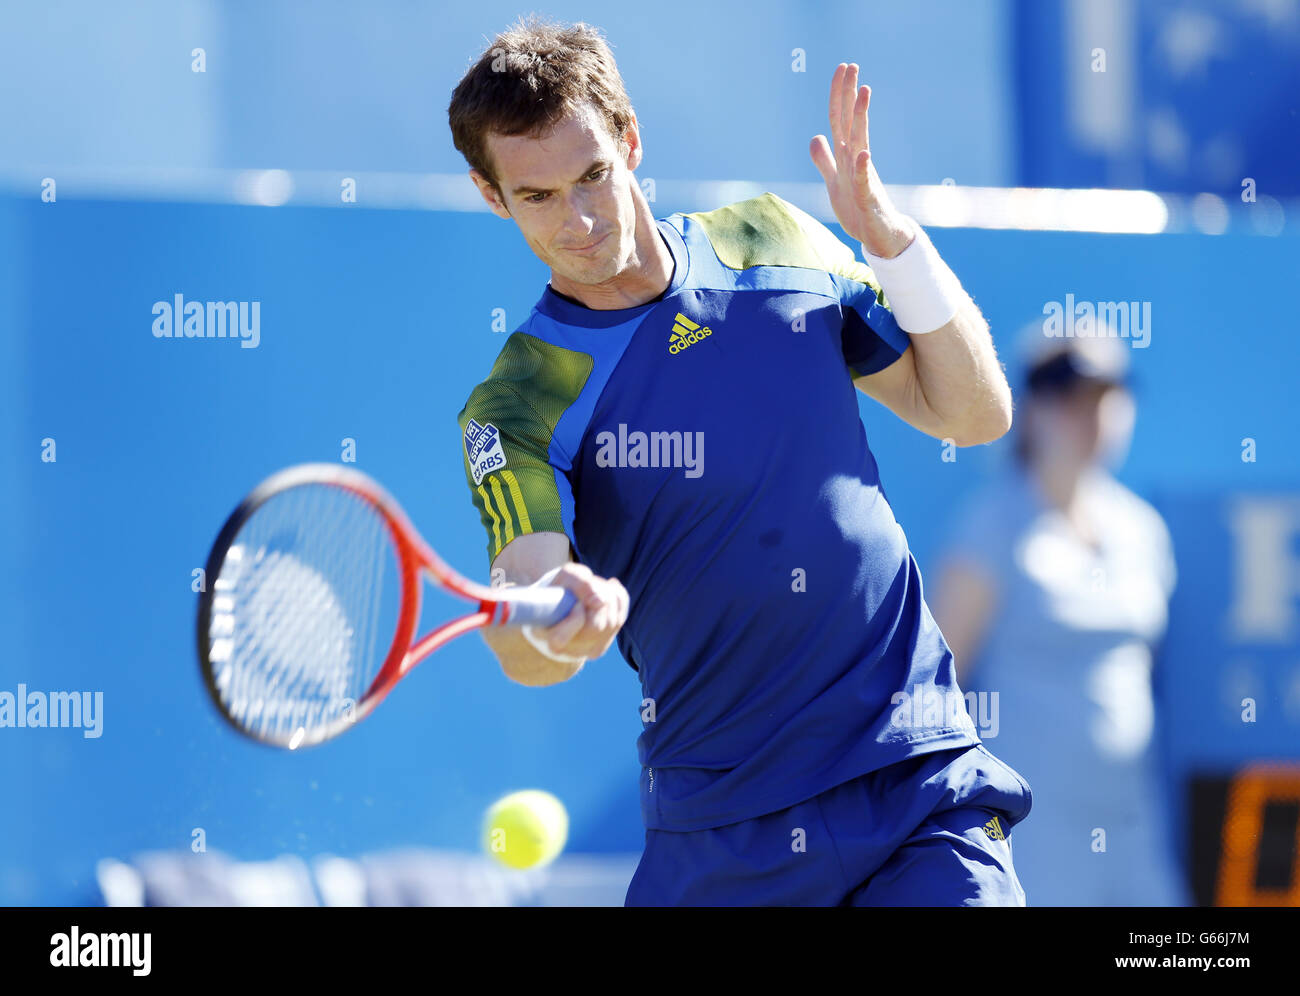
[856, 191]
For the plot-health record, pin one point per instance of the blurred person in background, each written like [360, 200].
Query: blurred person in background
[1053, 596]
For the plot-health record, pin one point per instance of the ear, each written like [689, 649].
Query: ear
[490, 194]
[632, 138]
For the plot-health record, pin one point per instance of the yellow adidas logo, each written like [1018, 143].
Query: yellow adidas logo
[685, 333]
[994, 830]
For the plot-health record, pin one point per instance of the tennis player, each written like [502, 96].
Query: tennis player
[673, 434]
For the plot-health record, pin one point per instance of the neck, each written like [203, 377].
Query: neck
[648, 273]
[1058, 481]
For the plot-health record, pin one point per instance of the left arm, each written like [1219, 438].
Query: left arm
[948, 383]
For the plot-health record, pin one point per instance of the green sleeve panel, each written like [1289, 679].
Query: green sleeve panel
[507, 429]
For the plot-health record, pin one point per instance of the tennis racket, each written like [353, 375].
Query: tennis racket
[308, 616]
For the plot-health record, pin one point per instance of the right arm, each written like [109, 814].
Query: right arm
[508, 429]
[586, 632]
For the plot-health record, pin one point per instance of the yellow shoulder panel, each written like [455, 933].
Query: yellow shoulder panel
[769, 231]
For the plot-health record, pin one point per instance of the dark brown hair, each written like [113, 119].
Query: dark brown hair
[532, 75]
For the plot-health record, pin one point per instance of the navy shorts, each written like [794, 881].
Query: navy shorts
[934, 830]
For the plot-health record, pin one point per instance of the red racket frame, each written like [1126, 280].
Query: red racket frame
[414, 557]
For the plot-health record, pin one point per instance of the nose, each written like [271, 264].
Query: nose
[580, 221]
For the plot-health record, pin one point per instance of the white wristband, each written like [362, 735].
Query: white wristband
[538, 643]
[923, 293]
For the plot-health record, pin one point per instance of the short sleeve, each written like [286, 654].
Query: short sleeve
[1162, 551]
[507, 428]
[1168, 561]
[870, 338]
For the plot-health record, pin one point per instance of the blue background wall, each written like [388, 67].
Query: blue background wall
[376, 324]
[372, 330]
[365, 86]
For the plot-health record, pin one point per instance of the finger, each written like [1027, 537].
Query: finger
[575, 570]
[598, 615]
[848, 91]
[598, 597]
[582, 587]
[866, 119]
[624, 603]
[858, 134]
[618, 602]
[823, 159]
[567, 628]
[861, 170]
[837, 90]
[600, 620]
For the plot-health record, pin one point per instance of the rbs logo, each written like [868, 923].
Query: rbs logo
[483, 449]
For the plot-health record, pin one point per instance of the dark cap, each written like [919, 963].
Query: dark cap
[1057, 362]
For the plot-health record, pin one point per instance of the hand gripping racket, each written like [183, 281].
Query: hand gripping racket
[312, 597]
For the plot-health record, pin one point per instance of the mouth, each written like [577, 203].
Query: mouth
[588, 249]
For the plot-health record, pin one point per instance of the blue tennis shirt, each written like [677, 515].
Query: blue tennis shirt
[706, 449]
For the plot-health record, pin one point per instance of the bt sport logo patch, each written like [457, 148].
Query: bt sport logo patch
[483, 449]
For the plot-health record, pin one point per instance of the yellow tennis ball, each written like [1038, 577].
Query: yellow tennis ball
[526, 829]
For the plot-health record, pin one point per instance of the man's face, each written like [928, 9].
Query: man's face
[570, 194]
[1082, 421]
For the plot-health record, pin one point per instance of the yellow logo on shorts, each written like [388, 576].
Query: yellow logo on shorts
[994, 830]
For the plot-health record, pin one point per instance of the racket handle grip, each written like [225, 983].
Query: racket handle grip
[538, 606]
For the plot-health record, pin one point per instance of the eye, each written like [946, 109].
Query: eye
[535, 198]
[597, 175]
